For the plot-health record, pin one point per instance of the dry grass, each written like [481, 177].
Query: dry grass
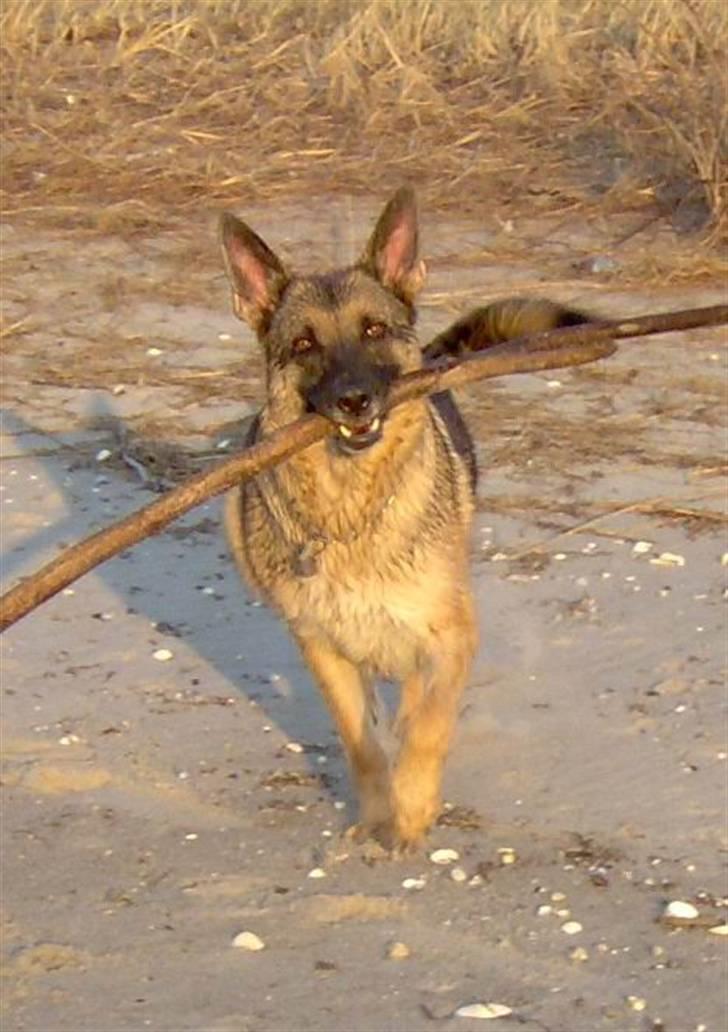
[117, 110]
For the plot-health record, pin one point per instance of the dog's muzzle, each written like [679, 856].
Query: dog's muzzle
[358, 419]
[355, 404]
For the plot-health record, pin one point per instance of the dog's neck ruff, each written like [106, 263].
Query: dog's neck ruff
[309, 541]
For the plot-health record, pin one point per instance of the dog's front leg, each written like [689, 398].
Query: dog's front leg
[349, 699]
[425, 723]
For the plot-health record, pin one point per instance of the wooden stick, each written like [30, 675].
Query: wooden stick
[574, 345]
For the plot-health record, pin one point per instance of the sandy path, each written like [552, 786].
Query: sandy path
[152, 809]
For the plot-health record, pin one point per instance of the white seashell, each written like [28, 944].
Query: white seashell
[444, 856]
[485, 1011]
[668, 559]
[414, 883]
[248, 941]
[682, 911]
[571, 928]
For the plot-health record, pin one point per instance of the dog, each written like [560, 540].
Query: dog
[361, 540]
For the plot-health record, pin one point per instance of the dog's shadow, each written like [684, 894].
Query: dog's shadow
[182, 583]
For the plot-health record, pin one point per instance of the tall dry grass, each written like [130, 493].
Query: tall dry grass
[129, 108]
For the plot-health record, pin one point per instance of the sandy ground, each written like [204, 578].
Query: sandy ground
[155, 808]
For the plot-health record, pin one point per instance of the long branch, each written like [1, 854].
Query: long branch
[551, 350]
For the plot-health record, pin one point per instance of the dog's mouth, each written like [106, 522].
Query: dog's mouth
[352, 439]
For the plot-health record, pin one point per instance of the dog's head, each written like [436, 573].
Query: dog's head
[334, 342]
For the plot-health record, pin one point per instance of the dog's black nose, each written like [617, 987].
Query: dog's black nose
[354, 402]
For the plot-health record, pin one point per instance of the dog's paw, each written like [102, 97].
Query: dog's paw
[383, 839]
[369, 838]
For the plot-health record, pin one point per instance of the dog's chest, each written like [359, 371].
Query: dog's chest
[370, 616]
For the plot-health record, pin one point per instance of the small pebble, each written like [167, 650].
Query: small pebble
[544, 910]
[557, 897]
[154, 352]
[571, 928]
[458, 874]
[444, 856]
[579, 955]
[724, 559]
[507, 855]
[118, 389]
[294, 747]
[339, 804]
[560, 556]
[641, 547]
[103, 455]
[485, 1011]
[317, 872]
[668, 559]
[637, 1003]
[553, 383]
[398, 951]
[721, 929]
[414, 883]
[248, 941]
[679, 909]
[163, 655]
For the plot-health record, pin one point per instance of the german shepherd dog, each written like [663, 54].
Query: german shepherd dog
[361, 540]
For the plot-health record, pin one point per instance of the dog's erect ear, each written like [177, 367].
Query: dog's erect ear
[391, 254]
[255, 273]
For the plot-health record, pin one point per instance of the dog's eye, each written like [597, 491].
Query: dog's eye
[303, 344]
[376, 330]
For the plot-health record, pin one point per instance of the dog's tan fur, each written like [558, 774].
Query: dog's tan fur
[366, 555]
